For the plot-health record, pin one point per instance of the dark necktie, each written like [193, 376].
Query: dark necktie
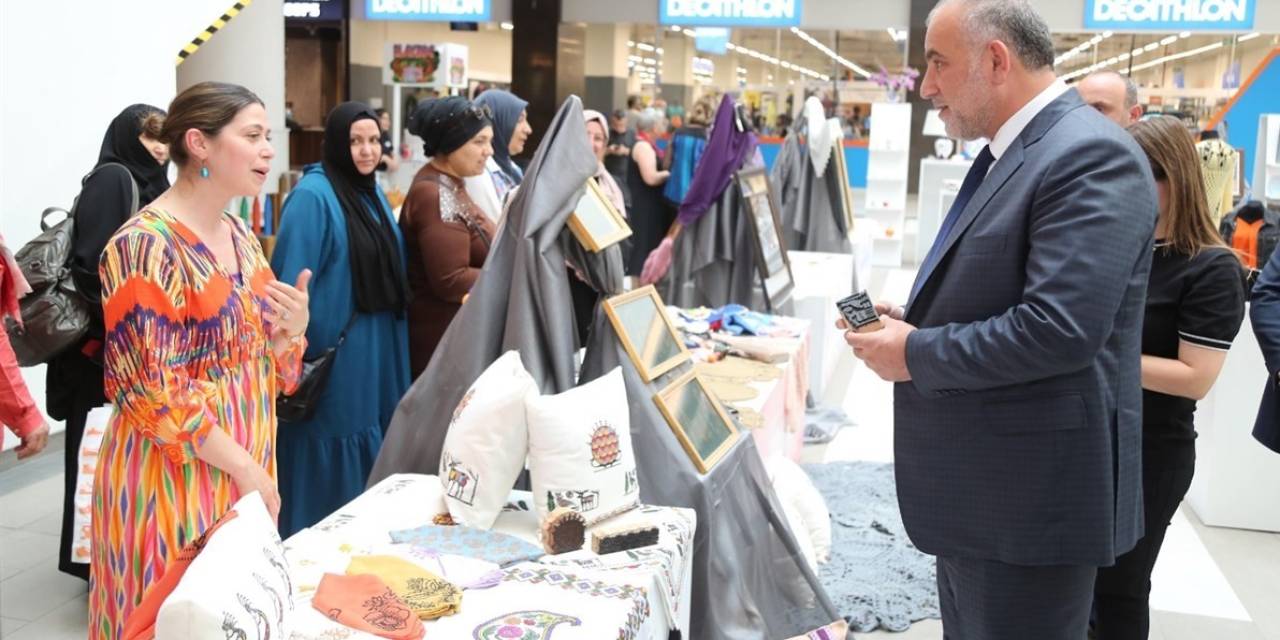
[972, 181]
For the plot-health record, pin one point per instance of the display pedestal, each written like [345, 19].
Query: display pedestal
[934, 173]
[1237, 480]
[821, 280]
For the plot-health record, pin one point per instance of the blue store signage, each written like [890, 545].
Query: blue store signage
[730, 13]
[315, 9]
[432, 10]
[1170, 15]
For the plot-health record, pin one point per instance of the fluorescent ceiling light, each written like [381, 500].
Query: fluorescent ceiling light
[1151, 47]
[1168, 41]
[507, 26]
[1251, 36]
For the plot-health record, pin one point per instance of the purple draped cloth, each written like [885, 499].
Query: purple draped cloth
[727, 149]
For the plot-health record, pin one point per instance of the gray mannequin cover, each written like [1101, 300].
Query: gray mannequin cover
[521, 301]
[749, 577]
[811, 215]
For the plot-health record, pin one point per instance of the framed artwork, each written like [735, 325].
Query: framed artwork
[640, 319]
[595, 221]
[698, 420]
[842, 176]
[766, 233]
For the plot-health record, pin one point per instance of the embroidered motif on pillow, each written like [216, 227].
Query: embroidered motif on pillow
[580, 454]
[484, 451]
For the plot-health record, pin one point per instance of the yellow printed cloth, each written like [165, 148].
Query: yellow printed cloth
[428, 595]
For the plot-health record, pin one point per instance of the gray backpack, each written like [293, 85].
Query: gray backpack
[55, 316]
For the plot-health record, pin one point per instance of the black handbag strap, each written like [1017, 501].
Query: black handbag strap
[342, 337]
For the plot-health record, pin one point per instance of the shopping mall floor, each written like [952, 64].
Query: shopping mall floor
[1210, 583]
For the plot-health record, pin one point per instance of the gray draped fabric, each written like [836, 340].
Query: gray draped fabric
[811, 215]
[714, 260]
[749, 577]
[521, 301]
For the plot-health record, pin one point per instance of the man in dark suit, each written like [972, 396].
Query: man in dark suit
[1264, 314]
[1018, 406]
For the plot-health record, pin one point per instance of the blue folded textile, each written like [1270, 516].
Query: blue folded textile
[490, 546]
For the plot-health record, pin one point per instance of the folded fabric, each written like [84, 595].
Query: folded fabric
[366, 603]
[426, 594]
[490, 546]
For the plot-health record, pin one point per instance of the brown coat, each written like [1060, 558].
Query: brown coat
[447, 239]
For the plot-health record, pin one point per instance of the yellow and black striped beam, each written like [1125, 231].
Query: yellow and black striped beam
[204, 36]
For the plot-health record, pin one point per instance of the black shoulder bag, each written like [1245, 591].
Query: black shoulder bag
[301, 404]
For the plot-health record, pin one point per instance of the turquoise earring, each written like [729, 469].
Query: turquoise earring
[204, 172]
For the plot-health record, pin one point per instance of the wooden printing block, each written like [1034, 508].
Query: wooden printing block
[622, 539]
[860, 313]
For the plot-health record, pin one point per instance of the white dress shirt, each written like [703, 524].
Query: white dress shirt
[1012, 127]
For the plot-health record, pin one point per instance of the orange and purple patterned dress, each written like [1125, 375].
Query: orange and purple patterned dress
[187, 350]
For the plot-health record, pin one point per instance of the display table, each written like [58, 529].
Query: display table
[1237, 480]
[775, 410]
[642, 593]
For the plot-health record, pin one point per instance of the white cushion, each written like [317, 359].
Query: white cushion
[580, 453]
[812, 521]
[485, 448]
[239, 581]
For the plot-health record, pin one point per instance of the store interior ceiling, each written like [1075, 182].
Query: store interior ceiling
[871, 50]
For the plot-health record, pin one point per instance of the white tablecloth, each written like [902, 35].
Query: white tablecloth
[643, 593]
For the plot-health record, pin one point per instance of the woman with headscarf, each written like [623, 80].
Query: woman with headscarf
[447, 235]
[584, 296]
[502, 175]
[651, 216]
[74, 378]
[338, 223]
[687, 144]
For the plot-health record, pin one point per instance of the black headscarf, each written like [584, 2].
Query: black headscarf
[445, 124]
[377, 268]
[121, 144]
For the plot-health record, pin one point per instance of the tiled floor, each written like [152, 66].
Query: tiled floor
[1210, 584]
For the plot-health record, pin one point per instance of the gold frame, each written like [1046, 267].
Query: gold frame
[648, 373]
[663, 400]
[842, 173]
[584, 236]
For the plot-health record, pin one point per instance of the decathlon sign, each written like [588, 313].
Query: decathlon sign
[430, 10]
[730, 13]
[1169, 15]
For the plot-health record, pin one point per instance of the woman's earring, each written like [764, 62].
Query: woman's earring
[204, 172]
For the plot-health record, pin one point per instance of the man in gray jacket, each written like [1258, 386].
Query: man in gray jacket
[1018, 402]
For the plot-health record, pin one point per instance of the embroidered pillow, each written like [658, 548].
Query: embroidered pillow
[485, 448]
[238, 586]
[580, 453]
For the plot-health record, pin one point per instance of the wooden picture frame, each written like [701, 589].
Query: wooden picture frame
[842, 176]
[650, 338]
[766, 225]
[595, 222]
[698, 420]
[772, 261]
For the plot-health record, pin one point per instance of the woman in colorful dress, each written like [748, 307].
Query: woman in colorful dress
[200, 338]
